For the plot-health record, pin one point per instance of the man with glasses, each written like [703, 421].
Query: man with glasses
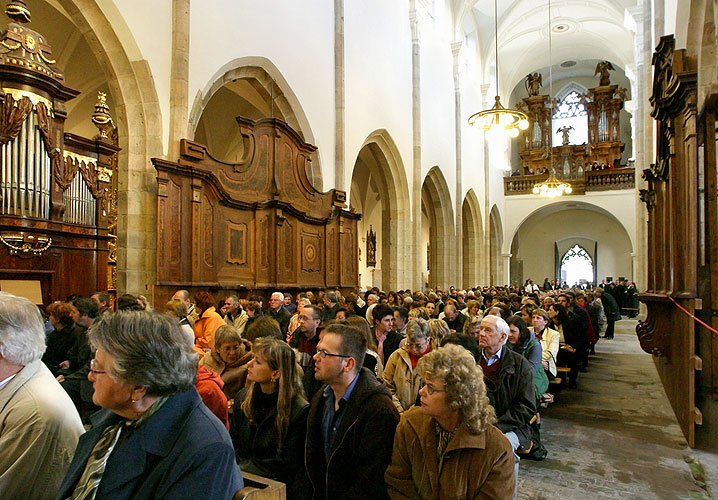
[305, 343]
[351, 423]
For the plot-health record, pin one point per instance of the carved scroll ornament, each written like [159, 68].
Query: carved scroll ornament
[653, 334]
[63, 172]
[12, 116]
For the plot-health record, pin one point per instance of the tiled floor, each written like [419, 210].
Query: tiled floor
[616, 435]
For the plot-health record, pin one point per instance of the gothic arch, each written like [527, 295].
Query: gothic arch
[379, 182]
[138, 117]
[568, 88]
[496, 237]
[436, 203]
[472, 239]
[260, 86]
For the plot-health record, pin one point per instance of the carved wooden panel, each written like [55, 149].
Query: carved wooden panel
[256, 223]
[671, 199]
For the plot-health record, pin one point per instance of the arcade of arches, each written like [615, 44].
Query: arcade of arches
[382, 121]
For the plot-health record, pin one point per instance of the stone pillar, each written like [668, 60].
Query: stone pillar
[505, 271]
[415, 280]
[179, 76]
[642, 132]
[486, 244]
[459, 261]
[339, 97]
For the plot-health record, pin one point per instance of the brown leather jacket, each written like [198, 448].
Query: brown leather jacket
[474, 466]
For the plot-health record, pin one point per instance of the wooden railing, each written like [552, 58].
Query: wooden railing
[600, 180]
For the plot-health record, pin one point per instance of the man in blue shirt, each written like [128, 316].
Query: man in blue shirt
[351, 423]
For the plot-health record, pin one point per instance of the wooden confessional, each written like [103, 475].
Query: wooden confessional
[682, 251]
[57, 190]
[258, 224]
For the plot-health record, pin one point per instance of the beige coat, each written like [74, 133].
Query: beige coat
[239, 322]
[474, 466]
[549, 348]
[234, 376]
[39, 429]
[401, 379]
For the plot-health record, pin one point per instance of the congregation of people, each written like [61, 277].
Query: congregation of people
[403, 395]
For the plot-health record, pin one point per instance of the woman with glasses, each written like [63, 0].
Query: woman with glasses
[229, 357]
[270, 416]
[154, 438]
[400, 375]
[448, 447]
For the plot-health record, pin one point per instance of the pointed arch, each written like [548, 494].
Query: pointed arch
[138, 117]
[472, 236]
[379, 182]
[262, 85]
[436, 203]
[496, 240]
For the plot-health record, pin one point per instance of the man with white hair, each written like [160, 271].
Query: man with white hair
[509, 379]
[40, 426]
[279, 313]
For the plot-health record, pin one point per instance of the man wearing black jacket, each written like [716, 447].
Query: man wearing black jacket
[610, 308]
[351, 422]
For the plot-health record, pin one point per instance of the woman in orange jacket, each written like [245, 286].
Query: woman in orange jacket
[207, 323]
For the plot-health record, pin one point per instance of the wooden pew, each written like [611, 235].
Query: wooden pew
[260, 488]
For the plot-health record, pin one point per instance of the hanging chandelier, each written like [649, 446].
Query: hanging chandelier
[551, 187]
[498, 118]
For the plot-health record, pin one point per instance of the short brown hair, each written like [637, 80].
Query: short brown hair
[353, 342]
[62, 312]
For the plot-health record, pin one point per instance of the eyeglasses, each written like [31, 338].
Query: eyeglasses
[431, 389]
[323, 354]
[421, 345]
[93, 364]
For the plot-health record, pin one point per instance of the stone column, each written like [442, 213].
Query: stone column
[459, 264]
[505, 271]
[486, 244]
[415, 280]
[179, 76]
[642, 131]
[339, 97]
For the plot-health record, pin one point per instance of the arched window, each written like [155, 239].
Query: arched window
[576, 266]
[570, 112]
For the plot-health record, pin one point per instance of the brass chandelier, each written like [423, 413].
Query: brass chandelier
[551, 187]
[498, 118]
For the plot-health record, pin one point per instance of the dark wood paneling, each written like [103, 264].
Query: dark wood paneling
[258, 223]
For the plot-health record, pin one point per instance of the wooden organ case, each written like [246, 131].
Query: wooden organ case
[603, 105]
[57, 201]
[258, 223]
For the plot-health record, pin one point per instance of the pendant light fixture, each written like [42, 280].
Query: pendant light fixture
[499, 119]
[551, 187]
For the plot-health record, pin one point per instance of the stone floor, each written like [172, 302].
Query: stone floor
[616, 436]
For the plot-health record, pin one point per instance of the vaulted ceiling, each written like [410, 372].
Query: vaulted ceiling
[580, 30]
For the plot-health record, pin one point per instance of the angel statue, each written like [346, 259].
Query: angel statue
[533, 84]
[565, 130]
[603, 68]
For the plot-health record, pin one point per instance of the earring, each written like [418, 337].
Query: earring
[134, 400]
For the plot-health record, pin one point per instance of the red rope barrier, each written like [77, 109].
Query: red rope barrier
[692, 315]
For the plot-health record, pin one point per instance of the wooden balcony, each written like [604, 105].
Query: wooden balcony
[599, 180]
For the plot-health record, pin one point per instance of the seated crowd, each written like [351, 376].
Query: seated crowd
[375, 395]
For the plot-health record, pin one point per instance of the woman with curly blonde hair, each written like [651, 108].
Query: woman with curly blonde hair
[455, 416]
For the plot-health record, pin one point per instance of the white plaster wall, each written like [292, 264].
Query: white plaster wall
[378, 79]
[568, 227]
[145, 30]
[619, 203]
[297, 37]
[437, 99]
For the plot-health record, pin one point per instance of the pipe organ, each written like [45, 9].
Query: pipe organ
[57, 190]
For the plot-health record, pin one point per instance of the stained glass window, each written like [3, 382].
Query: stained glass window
[576, 266]
[571, 112]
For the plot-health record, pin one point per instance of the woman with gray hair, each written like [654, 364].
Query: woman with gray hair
[229, 358]
[452, 427]
[145, 442]
[400, 375]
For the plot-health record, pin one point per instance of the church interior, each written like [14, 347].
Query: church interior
[244, 147]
